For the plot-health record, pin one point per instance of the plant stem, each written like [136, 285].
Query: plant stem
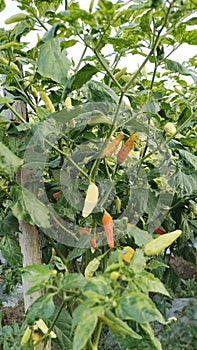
[154, 46]
[98, 334]
[15, 113]
[57, 315]
[68, 157]
[58, 251]
[106, 67]
[81, 59]
[64, 228]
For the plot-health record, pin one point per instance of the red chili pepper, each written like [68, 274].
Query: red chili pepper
[83, 231]
[160, 232]
[108, 227]
[126, 148]
[56, 194]
[55, 224]
[93, 243]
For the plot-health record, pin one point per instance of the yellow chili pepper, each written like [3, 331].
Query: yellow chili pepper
[47, 101]
[26, 336]
[122, 72]
[130, 251]
[68, 103]
[90, 200]
[11, 64]
[155, 246]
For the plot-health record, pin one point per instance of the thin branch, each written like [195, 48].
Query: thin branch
[68, 157]
[16, 113]
[155, 44]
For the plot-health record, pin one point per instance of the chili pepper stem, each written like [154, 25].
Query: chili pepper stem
[98, 334]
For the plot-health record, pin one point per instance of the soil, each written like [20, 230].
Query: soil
[13, 314]
[183, 268]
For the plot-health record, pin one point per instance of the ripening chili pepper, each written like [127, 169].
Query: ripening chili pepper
[90, 200]
[108, 227]
[155, 246]
[93, 243]
[126, 148]
[160, 232]
[83, 231]
[112, 146]
[56, 194]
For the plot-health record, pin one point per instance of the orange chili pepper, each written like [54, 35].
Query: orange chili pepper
[108, 227]
[112, 146]
[126, 148]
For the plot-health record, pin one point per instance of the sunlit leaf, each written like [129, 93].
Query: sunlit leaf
[138, 307]
[52, 62]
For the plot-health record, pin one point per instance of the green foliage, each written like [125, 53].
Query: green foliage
[52, 62]
[9, 161]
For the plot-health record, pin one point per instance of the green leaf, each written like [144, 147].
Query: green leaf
[86, 326]
[96, 286]
[2, 5]
[9, 224]
[179, 68]
[52, 62]
[98, 92]
[190, 37]
[74, 281]
[141, 237]
[188, 157]
[44, 6]
[79, 79]
[5, 99]
[138, 307]
[138, 261]
[183, 183]
[43, 308]
[155, 264]
[68, 43]
[80, 310]
[9, 162]
[28, 208]
[62, 329]
[191, 22]
[116, 325]
[155, 343]
[36, 273]
[11, 251]
[147, 282]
